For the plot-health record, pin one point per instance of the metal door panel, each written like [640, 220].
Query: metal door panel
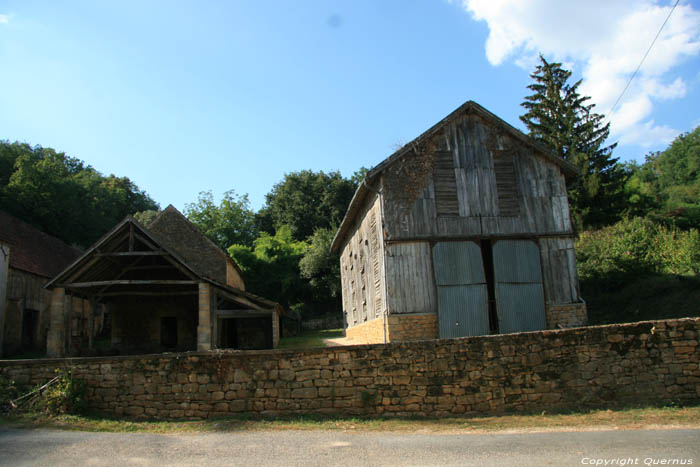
[463, 311]
[519, 292]
[462, 293]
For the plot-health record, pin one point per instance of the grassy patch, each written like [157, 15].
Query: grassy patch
[309, 339]
[631, 418]
[641, 297]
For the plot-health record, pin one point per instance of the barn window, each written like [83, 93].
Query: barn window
[508, 199]
[445, 184]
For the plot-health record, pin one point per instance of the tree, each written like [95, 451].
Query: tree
[231, 222]
[320, 266]
[306, 201]
[63, 196]
[271, 266]
[561, 119]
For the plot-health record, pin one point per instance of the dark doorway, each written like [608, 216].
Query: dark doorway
[246, 333]
[168, 332]
[487, 260]
[30, 322]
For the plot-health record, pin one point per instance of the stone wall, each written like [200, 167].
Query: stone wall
[567, 315]
[371, 332]
[602, 366]
[411, 327]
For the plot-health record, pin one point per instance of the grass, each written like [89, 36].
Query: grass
[309, 339]
[640, 298]
[630, 418]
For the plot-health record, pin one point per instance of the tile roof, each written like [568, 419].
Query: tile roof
[32, 250]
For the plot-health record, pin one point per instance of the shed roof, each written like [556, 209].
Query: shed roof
[469, 107]
[32, 250]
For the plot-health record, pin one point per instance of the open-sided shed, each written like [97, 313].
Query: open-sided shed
[463, 231]
[166, 287]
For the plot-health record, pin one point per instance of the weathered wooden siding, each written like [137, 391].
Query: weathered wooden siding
[409, 276]
[559, 275]
[410, 202]
[25, 291]
[362, 267]
[4, 270]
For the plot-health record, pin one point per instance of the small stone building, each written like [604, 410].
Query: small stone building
[464, 231]
[28, 259]
[165, 287]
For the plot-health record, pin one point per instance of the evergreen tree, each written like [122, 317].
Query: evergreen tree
[561, 119]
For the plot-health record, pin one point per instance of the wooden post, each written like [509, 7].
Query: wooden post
[92, 306]
[4, 274]
[55, 346]
[204, 322]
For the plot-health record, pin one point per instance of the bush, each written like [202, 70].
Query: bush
[635, 247]
[65, 396]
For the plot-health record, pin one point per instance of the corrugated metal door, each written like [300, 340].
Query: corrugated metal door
[462, 293]
[519, 293]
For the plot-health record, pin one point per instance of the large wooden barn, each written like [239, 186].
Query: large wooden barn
[464, 231]
[165, 287]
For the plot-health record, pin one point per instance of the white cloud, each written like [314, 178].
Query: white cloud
[604, 41]
[4, 19]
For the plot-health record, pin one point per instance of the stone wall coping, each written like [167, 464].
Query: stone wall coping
[71, 361]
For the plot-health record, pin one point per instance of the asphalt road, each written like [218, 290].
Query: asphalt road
[306, 448]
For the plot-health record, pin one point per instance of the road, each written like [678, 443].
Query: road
[305, 448]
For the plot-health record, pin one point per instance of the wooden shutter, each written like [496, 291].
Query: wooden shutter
[519, 293]
[462, 293]
[445, 184]
[508, 198]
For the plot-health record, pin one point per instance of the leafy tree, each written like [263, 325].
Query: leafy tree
[62, 195]
[320, 266]
[306, 201]
[271, 266]
[231, 222]
[146, 217]
[561, 119]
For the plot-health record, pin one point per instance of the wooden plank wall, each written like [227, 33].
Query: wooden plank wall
[543, 206]
[362, 268]
[559, 275]
[410, 281]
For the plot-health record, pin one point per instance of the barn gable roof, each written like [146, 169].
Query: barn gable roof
[469, 107]
[96, 265]
[32, 250]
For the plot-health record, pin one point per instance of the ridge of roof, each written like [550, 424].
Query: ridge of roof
[468, 107]
[227, 257]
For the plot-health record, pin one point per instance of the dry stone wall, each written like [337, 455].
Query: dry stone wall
[646, 362]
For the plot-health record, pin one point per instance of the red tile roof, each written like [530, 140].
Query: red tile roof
[32, 250]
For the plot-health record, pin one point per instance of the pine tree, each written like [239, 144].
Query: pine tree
[561, 119]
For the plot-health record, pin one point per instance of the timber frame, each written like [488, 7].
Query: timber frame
[142, 276]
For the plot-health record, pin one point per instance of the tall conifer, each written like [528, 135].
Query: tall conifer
[561, 119]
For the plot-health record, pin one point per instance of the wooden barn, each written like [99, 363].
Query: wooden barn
[165, 287]
[28, 260]
[464, 231]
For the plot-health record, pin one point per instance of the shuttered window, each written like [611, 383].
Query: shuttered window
[445, 184]
[508, 199]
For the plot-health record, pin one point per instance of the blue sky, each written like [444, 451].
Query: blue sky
[185, 96]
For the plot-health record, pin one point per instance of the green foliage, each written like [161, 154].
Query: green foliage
[320, 266]
[62, 196]
[231, 222]
[636, 247]
[669, 183]
[65, 396]
[560, 118]
[306, 201]
[271, 267]
[146, 217]
[8, 392]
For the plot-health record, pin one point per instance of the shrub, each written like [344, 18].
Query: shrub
[65, 395]
[638, 246]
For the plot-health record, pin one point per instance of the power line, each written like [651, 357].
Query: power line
[643, 58]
